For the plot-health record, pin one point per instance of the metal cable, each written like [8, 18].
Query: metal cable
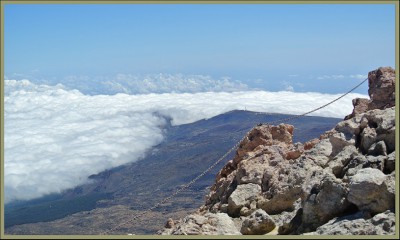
[137, 216]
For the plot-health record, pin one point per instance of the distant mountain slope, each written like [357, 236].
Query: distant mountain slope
[186, 151]
[340, 184]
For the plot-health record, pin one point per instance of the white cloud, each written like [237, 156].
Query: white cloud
[359, 76]
[55, 138]
[331, 77]
[152, 83]
[341, 76]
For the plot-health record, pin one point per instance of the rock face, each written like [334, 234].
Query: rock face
[381, 91]
[341, 183]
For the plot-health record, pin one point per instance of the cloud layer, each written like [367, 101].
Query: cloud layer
[341, 76]
[55, 138]
[141, 84]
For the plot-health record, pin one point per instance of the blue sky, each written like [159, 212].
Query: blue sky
[209, 52]
[319, 47]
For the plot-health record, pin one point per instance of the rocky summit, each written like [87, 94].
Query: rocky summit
[342, 183]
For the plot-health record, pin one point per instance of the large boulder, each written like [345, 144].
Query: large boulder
[360, 106]
[264, 135]
[371, 191]
[381, 89]
[381, 224]
[208, 224]
[382, 93]
[242, 196]
[259, 222]
[326, 200]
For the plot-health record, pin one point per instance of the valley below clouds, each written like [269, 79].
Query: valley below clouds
[55, 137]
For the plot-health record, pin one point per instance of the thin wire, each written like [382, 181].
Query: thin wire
[137, 216]
[316, 109]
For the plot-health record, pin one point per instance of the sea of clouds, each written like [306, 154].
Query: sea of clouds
[55, 137]
[143, 83]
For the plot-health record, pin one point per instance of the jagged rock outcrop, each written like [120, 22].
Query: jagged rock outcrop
[381, 91]
[341, 183]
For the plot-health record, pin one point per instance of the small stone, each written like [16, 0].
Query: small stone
[245, 211]
[223, 208]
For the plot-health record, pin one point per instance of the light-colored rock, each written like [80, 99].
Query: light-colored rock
[209, 224]
[350, 128]
[251, 171]
[369, 192]
[360, 106]
[303, 188]
[265, 135]
[368, 137]
[320, 153]
[282, 186]
[259, 222]
[222, 224]
[242, 196]
[282, 133]
[383, 121]
[326, 200]
[341, 159]
[381, 224]
[390, 183]
[338, 142]
[390, 163]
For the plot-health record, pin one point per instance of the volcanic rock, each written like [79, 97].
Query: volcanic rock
[258, 223]
[341, 183]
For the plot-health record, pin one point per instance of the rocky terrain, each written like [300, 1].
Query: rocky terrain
[115, 195]
[342, 183]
